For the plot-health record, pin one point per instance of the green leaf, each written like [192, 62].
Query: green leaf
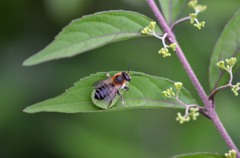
[227, 46]
[171, 9]
[200, 155]
[90, 32]
[145, 91]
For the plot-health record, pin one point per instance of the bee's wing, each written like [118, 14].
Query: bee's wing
[101, 83]
[109, 98]
[111, 93]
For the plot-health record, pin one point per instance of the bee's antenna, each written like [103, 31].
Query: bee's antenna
[129, 65]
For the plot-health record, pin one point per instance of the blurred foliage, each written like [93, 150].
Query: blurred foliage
[28, 26]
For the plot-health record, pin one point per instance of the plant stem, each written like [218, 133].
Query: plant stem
[179, 52]
[218, 124]
[214, 92]
[209, 104]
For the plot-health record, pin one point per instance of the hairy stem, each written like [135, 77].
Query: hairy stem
[209, 104]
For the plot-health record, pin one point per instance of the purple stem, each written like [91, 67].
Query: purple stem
[209, 105]
[218, 124]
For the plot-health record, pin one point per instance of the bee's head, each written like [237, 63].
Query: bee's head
[126, 76]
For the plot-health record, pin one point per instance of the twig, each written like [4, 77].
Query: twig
[179, 21]
[214, 92]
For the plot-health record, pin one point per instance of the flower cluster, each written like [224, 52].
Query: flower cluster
[228, 64]
[191, 112]
[236, 88]
[149, 30]
[178, 85]
[165, 52]
[231, 154]
[193, 16]
[169, 93]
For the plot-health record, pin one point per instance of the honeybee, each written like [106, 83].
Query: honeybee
[107, 89]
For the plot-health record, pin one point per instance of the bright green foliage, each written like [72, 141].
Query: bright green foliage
[200, 155]
[171, 9]
[90, 32]
[228, 46]
[145, 91]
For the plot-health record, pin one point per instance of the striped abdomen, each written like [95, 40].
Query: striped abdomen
[103, 91]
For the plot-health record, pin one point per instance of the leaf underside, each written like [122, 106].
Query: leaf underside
[90, 32]
[145, 91]
[200, 155]
[227, 46]
[171, 9]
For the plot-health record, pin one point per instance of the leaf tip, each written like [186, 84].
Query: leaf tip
[28, 62]
[34, 60]
[28, 110]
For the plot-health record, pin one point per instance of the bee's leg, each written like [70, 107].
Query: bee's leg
[121, 97]
[108, 74]
[109, 104]
[126, 88]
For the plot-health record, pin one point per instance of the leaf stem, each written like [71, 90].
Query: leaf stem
[209, 104]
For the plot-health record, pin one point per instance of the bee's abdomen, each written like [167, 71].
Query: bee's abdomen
[101, 93]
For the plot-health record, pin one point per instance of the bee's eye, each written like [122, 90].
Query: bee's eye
[119, 79]
[126, 76]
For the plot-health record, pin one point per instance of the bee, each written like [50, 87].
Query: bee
[107, 89]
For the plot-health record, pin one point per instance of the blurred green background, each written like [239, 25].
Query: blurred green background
[27, 26]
